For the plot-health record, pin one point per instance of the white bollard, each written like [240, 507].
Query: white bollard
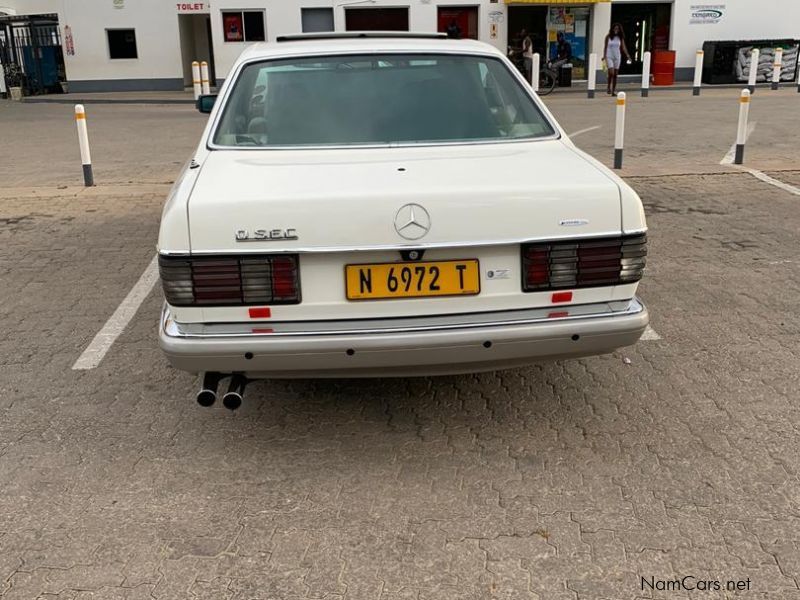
[698, 72]
[776, 68]
[646, 74]
[83, 142]
[3, 89]
[204, 83]
[619, 132]
[592, 75]
[196, 79]
[535, 72]
[741, 131]
[751, 76]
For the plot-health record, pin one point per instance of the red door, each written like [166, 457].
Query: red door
[459, 21]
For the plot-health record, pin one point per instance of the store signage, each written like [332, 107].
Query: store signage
[706, 14]
[69, 43]
[192, 6]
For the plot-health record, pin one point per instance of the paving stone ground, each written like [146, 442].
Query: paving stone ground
[566, 480]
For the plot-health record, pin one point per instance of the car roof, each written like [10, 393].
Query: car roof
[366, 42]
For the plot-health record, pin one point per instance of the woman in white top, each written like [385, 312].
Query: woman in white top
[613, 49]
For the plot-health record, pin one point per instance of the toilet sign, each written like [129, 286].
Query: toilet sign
[193, 7]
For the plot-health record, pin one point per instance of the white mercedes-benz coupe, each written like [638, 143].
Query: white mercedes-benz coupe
[376, 204]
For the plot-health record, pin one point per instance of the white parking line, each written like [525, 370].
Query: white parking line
[581, 131]
[729, 156]
[728, 160]
[116, 324]
[770, 180]
[650, 335]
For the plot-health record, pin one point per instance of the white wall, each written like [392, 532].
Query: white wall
[31, 7]
[284, 17]
[742, 20]
[157, 39]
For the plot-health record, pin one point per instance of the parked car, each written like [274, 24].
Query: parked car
[375, 205]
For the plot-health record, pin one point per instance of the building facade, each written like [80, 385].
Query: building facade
[108, 45]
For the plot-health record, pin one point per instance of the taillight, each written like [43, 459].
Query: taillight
[230, 280]
[583, 263]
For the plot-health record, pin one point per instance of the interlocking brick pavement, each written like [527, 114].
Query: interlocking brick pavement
[568, 480]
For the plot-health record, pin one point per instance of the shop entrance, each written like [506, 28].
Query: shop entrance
[376, 19]
[195, 36]
[646, 27]
[532, 19]
[545, 24]
[458, 21]
[571, 24]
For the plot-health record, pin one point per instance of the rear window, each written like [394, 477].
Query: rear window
[377, 99]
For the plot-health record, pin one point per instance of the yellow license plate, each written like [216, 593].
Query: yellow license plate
[413, 279]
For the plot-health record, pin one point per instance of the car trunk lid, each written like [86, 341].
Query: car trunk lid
[350, 199]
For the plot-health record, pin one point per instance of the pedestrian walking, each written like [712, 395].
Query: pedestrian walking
[613, 49]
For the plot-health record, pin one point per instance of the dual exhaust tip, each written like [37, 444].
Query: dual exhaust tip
[232, 399]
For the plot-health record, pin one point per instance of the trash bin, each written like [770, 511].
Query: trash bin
[565, 75]
[663, 67]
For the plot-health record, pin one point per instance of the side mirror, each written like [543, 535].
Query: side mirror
[206, 102]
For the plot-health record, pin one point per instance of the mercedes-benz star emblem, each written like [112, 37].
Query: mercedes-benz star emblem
[412, 221]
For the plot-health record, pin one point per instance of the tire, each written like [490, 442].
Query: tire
[547, 83]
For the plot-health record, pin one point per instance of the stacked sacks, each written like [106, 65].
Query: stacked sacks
[764, 67]
[789, 65]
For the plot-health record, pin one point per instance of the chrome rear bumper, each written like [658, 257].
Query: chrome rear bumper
[402, 346]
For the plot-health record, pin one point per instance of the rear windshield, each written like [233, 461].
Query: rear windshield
[377, 99]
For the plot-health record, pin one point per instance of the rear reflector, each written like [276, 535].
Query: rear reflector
[561, 297]
[262, 312]
[583, 263]
[230, 280]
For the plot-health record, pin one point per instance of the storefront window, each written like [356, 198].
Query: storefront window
[121, 43]
[243, 26]
[568, 32]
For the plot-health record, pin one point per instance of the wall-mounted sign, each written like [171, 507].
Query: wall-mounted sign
[192, 7]
[233, 27]
[119, 3]
[69, 43]
[706, 14]
[496, 16]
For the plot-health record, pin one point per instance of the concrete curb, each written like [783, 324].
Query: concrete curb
[74, 191]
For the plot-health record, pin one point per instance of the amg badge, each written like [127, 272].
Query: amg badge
[266, 235]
